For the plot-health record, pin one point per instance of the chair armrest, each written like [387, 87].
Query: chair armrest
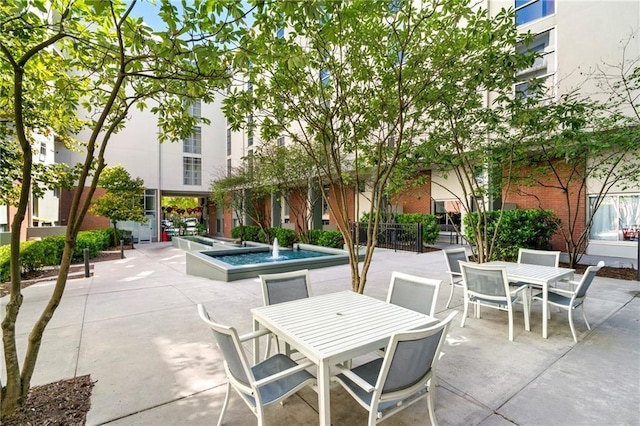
[519, 289]
[562, 292]
[284, 373]
[366, 386]
[254, 334]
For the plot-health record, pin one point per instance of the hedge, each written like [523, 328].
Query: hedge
[430, 228]
[287, 237]
[34, 255]
[526, 228]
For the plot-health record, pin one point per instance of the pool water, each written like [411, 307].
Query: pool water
[266, 257]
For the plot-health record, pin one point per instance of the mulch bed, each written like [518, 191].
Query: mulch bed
[66, 402]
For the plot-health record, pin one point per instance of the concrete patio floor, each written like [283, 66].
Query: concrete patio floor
[134, 328]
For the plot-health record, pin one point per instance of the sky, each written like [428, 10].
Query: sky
[149, 12]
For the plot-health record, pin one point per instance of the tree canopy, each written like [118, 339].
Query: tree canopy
[358, 84]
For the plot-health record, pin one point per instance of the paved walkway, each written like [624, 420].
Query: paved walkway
[134, 328]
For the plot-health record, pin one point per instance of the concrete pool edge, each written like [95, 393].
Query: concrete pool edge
[188, 242]
[201, 265]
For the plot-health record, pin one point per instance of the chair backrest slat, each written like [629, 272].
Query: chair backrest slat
[411, 362]
[416, 293]
[453, 257]
[231, 348]
[284, 287]
[539, 257]
[411, 356]
[586, 281]
[485, 281]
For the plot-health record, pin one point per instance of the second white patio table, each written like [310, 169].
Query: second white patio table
[334, 328]
[541, 276]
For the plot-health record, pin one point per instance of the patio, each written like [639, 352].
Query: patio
[134, 328]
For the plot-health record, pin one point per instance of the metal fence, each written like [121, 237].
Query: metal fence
[396, 236]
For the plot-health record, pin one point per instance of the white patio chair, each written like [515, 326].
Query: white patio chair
[453, 257]
[267, 382]
[571, 299]
[405, 375]
[284, 287]
[488, 286]
[416, 293]
[539, 257]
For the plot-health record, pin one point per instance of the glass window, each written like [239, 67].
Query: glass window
[281, 141]
[250, 129]
[43, 151]
[280, 33]
[530, 10]
[193, 144]
[324, 76]
[192, 171]
[229, 141]
[617, 218]
[195, 108]
[229, 167]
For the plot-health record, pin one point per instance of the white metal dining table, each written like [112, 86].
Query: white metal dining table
[334, 328]
[541, 276]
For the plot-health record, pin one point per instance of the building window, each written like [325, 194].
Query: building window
[193, 144]
[250, 162]
[195, 109]
[530, 10]
[192, 171]
[324, 76]
[325, 198]
[540, 75]
[249, 86]
[229, 141]
[229, 167]
[280, 33]
[281, 141]
[617, 218]
[43, 151]
[250, 130]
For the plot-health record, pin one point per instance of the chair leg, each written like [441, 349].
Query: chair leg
[225, 404]
[526, 308]
[573, 330]
[466, 311]
[268, 349]
[510, 314]
[584, 317]
[450, 295]
[430, 401]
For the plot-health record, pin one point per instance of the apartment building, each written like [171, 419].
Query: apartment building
[183, 168]
[42, 211]
[574, 38]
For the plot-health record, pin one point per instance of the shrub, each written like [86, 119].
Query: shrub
[314, 236]
[331, 239]
[5, 258]
[286, 237]
[527, 228]
[430, 228]
[250, 233]
[48, 252]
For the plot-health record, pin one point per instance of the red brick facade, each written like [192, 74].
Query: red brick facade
[416, 200]
[547, 195]
[90, 221]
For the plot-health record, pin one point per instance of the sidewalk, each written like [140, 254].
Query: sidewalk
[134, 328]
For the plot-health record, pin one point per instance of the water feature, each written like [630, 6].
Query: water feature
[248, 262]
[276, 249]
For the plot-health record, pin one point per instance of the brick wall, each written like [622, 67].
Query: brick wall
[416, 200]
[547, 195]
[90, 221]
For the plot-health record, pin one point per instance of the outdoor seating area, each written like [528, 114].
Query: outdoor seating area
[165, 347]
